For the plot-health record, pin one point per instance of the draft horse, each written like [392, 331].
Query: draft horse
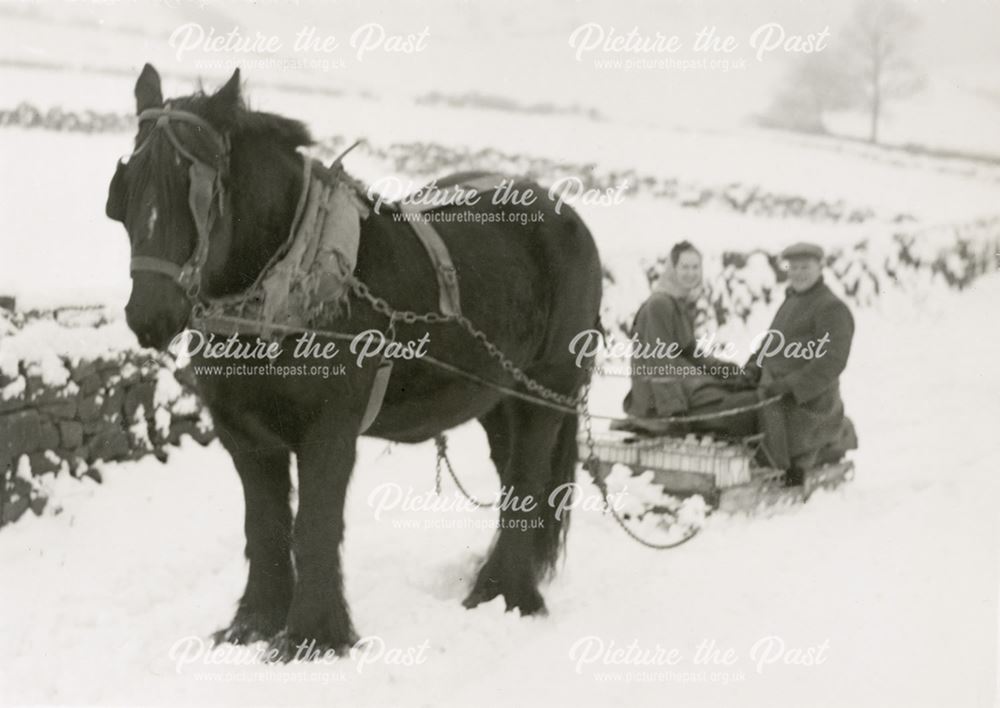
[530, 287]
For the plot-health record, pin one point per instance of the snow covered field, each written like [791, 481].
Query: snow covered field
[886, 588]
[895, 575]
[54, 220]
[91, 59]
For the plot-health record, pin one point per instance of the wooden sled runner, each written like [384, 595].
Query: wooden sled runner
[724, 473]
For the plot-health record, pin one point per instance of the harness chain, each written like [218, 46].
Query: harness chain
[578, 402]
[593, 465]
[410, 317]
[441, 443]
[207, 176]
[568, 404]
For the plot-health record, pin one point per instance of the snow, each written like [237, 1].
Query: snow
[944, 103]
[887, 586]
[45, 270]
[185, 405]
[169, 399]
[45, 345]
[23, 469]
[161, 419]
[59, 247]
[139, 429]
[107, 43]
[895, 574]
[15, 389]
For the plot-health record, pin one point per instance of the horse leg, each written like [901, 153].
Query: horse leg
[530, 535]
[267, 524]
[496, 423]
[319, 610]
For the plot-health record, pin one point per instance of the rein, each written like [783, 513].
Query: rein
[207, 200]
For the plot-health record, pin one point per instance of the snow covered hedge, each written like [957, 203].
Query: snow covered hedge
[56, 118]
[910, 262]
[426, 160]
[75, 390]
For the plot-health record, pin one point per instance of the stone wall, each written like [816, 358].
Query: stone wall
[62, 413]
[75, 390]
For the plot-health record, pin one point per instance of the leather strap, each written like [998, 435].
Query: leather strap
[201, 197]
[449, 297]
[163, 116]
[156, 265]
[449, 301]
[377, 394]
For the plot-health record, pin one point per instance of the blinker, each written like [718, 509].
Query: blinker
[205, 184]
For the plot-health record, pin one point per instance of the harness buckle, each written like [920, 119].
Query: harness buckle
[190, 282]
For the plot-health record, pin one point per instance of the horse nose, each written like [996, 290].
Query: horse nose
[132, 317]
[139, 325]
[145, 338]
[155, 314]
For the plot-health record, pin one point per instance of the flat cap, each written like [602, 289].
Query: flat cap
[803, 250]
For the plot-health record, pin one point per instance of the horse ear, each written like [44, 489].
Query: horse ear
[147, 90]
[224, 102]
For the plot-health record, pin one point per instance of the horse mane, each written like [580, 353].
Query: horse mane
[242, 122]
[239, 121]
[286, 131]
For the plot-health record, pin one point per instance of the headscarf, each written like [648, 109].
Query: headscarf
[669, 283]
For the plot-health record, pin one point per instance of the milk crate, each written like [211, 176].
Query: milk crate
[612, 447]
[720, 464]
[728, 464]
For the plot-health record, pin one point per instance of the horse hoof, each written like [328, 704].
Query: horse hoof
[528, 602]
[479, 596]
[243, 631]
[285, 648]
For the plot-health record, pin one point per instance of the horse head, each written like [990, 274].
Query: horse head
[204, 197]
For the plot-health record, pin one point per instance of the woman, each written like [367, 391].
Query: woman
[667, 378]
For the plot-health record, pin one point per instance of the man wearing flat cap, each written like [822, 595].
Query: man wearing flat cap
[801, 358]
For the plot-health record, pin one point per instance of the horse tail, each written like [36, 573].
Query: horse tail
[551, 538]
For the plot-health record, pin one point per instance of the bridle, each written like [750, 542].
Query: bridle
[207, 197]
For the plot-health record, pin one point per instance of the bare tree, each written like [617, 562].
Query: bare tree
[877, 38]
[814, 85]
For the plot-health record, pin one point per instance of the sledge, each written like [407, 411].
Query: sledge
[726, 473]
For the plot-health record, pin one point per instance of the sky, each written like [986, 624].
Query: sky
[519, 49]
